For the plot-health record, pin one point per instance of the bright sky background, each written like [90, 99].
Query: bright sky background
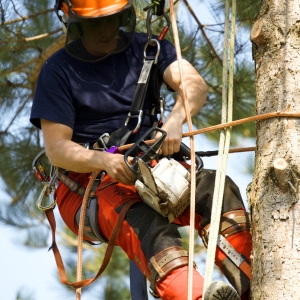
[35, 270]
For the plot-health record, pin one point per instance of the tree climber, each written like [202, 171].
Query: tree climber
[84, 91]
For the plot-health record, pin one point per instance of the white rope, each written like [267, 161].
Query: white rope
[224, 143]
[193, 167]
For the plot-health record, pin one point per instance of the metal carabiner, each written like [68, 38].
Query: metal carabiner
[39, 169]
[162, 108]
[39, 202]
[148, 25]
[139, 116]
[152, 42]
[47, 191]
[159, 110]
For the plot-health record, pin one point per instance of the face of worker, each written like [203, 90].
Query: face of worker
[100, 36]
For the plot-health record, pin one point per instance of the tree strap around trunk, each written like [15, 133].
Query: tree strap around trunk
[107, 255]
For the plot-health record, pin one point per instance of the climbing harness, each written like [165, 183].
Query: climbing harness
[147, 82]
[121, 135]
[156, 8]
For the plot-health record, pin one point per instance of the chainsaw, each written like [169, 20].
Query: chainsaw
[166, 186]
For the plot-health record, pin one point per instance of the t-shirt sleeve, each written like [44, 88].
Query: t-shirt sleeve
[167, 57]
[52, 99]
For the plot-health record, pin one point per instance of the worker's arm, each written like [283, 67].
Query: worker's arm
[64, 153]
[196, 90]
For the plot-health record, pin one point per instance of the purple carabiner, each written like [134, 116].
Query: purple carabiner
[113, 149]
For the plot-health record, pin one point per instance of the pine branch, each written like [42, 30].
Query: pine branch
[41, 36]
[59, 43]
[203, 32]
[216, 89]
[191, 42]
[33, 38]
[18, 68]
[17, 113]
[27, 17]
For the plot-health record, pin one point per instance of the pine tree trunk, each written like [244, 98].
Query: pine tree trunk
[273, 194]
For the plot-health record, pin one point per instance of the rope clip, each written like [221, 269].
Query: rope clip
[156, 8]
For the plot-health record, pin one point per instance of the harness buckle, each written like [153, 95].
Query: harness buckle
[101, 143]
[138, 116]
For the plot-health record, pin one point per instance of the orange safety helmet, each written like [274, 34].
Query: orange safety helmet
[96, 28]
[93, 8]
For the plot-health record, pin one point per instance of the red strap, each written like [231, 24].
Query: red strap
[110, 246]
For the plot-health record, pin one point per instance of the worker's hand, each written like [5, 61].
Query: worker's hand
[115, 166]
[172, 141]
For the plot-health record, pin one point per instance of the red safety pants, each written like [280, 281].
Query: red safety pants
[145, 232]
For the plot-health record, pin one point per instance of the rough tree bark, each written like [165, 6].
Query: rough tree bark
[273, 194]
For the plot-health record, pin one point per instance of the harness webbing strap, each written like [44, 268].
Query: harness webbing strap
[141, 89]
[234, 256]
[74, 186]
[107, 255]
[148, 74]
[153, 87]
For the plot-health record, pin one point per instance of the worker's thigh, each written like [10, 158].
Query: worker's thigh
[205, 184]
[143, 233]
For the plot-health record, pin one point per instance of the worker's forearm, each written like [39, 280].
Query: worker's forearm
[71, 156]
[196, 96]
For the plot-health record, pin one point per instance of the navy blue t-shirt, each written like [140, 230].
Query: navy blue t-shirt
[95, 98]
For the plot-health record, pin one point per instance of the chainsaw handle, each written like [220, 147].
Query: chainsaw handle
[185, 152]
[144, 151]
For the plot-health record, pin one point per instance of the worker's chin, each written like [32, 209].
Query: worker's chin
[109, 39]
[103, 48]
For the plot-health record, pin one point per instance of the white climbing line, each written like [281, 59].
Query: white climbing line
[224, 143]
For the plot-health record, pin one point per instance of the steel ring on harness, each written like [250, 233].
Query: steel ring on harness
[152, 42]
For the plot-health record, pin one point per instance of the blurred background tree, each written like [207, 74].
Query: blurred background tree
[30, 32]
